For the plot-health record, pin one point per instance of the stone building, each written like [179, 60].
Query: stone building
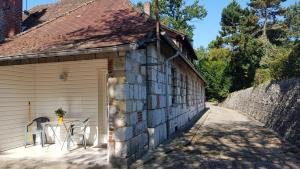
[10, 18]
[136, 96]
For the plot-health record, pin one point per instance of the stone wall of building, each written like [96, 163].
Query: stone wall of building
[10, 18]
[139, 119]
[128, 114]
[275, 104]
[186, 97]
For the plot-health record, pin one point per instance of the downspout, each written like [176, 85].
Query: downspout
[157, 28]
[166, 63]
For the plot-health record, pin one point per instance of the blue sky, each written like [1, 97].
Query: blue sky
[206, 30]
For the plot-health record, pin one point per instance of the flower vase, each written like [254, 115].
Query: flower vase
[60, 120]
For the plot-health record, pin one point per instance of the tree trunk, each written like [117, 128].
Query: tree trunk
[265, 24]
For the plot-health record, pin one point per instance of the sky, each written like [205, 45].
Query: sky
[206, 29]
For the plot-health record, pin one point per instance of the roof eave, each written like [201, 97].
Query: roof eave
[115, 48]
[171, 43]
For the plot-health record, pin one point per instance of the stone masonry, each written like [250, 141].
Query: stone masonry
[276, 104]
[186, 98]
[137, 102]
[10, 18]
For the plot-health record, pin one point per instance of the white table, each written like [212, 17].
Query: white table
[66, 124]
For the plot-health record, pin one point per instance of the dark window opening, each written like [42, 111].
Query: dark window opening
[187, 91]
[173, 75]
[176, 128]
[140, 116]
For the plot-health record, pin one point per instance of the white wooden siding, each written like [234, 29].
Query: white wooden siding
[40, 84]
[16, 90]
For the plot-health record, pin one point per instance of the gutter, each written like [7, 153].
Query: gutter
[116, 48]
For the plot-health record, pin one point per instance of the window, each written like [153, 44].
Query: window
[182, 90]
[140, 116]
[173, 75]
[187, 91]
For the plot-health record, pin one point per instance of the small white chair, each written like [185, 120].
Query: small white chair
[77, 130]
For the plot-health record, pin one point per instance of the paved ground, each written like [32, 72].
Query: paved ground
[223, 139]
[53, 157]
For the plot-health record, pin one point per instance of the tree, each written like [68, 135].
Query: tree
[267, 10]
[238, 27]
[213, 63]
[292, 66]
[292, 20]
[177, 15]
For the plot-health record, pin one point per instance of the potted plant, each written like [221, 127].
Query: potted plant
[60, 113]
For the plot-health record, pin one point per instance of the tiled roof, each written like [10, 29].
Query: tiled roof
[92, 24]
[42, 13]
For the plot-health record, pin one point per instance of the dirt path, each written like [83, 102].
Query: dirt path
[223, 139]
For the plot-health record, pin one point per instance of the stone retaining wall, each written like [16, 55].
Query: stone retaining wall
[275, 104]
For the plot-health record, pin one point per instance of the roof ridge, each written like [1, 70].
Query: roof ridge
[55, 18]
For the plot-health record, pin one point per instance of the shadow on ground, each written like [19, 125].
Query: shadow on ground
[238, 144]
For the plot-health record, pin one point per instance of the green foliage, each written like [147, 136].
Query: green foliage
[268, 12]
[238, 27]
[60, 112]
[177, 15]
[292, 20]
[245, 61]
[291, 67]
[213, 63]
[262, 75]
[282, 62]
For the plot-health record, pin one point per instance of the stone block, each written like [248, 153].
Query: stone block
[143, 58]
[152, 75]
[131, 91]
[133, 106]
[152, 101]
[151, 51]
[156, 117]
[128, 64]
[140, 92]
[130, 77]
[144, 92]
[144, 115]
[122, 92]
[112, 110]
[134, 145]
[156, 88]
[162, 100]
[136, 92]
[124, 106]
[160, 77]
[118, 64]
[139, 106]
[122, 149]
[143, 70]
[139, 128]
[139, 78]
[121, 120]
[157, 135]
[123, 134]
[133, 118]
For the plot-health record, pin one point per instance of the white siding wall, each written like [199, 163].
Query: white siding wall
[16, 90]
[41, 85]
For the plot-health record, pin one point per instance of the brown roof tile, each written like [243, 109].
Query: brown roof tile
[42, 13]
[97, 24]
